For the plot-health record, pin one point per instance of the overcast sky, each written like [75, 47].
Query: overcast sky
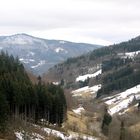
[91, 21]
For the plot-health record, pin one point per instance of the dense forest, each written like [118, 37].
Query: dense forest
[120, 74]
[19, 98]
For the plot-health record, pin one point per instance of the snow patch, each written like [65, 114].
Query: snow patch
[56, 83]
[19, 136]
[69, 136]
[59, 49]
[42, 62]
[26, 61]
[79, 110]
[122, 100]
[62, 42]
[122, 105]
[32, 136]
[83, 89]
[31, 54]
[129, 54]
[23, 39]
[31, 60]
[18, 39]
[92, 90]
[85, 77]
[95, 88]
[62, 135]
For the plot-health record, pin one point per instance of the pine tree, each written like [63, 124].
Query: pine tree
[122, 131]
[106, 121]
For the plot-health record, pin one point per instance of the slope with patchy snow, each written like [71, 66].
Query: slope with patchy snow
[122, 100]
[32, 136]
[91, 90]
[52, 132]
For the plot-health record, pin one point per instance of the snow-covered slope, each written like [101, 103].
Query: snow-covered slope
[44, 53]
[121, 101]
[85, 77]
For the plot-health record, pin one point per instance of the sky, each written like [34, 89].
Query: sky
[101, 22]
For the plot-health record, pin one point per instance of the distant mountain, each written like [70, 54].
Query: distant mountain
[38, 55]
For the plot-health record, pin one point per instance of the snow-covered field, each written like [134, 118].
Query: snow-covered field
[121, 101]
[52, 132]
[92, 90]
[85, 77]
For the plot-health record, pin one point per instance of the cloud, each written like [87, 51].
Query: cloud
[93, 21]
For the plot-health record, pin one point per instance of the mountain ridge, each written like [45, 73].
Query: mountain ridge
[38, 54]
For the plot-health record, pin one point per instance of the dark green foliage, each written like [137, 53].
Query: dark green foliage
[62, 82]
[20, 98]
[101, 52]
[130, 46]
[122, 131]
[51, 103]
[114, 63]
[71, 60]
[4, 110]
[106, 121]
[119, 80]
[139, 105]
[120, 73]
[111, 77]
[84, 83]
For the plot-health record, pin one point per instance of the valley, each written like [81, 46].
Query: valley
[94, 96]
[70, 70]
[105, 79]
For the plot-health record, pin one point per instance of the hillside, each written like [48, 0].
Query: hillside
[112, 59]
[104, 84]
[38, 54]
[101, 88]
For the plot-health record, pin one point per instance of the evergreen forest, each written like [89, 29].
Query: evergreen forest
[20, 98]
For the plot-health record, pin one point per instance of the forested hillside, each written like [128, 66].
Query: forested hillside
[20, 99]
[119, 77]
[107, 77]
[119, 64]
